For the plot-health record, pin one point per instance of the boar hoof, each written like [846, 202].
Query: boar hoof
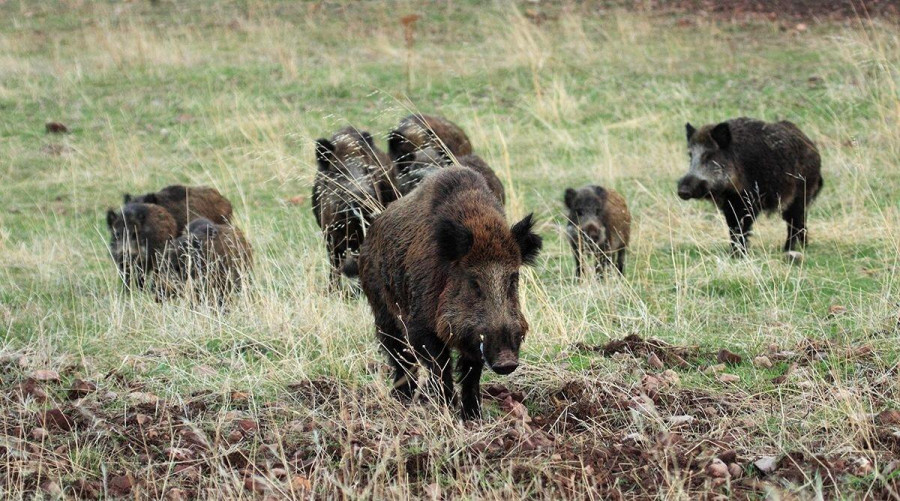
[793, 257]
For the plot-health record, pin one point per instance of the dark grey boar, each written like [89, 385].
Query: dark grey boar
[354, 182]
[209, 260]
[139, 234]
[747, 166]
[186, 203]
[440, 269]
[599, 225]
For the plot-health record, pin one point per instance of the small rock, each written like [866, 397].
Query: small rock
[142, 419]
[52, 488]
[676, 421]
[735, 470]
[45, 375]
[54, 419]
[766, 464]
[81, 388]
[180, 454]
[239, 397]
[762, 361]
[717, 469]
[801, 27]
[671, 377]
[235, 436]
[729, 378]
[888, 418]
[32, 388]
[712, 369]
[256, 483]
[793, 257]
[728, 357]
[121, 485]
[655, 362]
[55, 128]
[176, 494]
[143, 398]
[39, 433]
[247, 425]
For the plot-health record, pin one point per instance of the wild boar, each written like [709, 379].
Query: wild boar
[209, 260]
[186, 203]
[418, 132]
[747, 166]
[599, 224]
[429, 160]
[139, 235]
[354, 182]
[440, 268]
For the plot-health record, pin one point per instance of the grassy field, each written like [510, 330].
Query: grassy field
[286, 394]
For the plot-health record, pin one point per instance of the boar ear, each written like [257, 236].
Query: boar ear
[126, 198]
[721, 134]
[110, 218]
[150, 198]
[570, 197]
[690, 131]
[324, 153]
[396, 142]
[530, 243]
[454, 240]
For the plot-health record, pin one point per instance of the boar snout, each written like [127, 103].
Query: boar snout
[691, 187]
[592, 230]
[507, 361]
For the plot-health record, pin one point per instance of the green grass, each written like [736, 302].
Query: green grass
[234, 94]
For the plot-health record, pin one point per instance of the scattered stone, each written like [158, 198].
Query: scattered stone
[39, 433]
[728, 357]
[712, 369]
[671, 377]
[80, 389]
[762, 361]
[54, 419]
[143, 398]
[51, 488]
[729, 378]
[766, 464]
[247, 425]
[235, 436]
[676, 421]
[888, 418]
[655, 362]
[793, 257]
[121, 485]
[735, 470]
[717, 469]
[45, 375]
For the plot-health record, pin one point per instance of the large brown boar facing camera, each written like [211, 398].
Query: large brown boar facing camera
[355, 180]
[599, 226]
[186, 203]
[440, 269]
[139, 234]
[746, 167]
[208, 261]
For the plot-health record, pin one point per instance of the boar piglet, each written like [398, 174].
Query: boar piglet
[186, 203]
[440, 268]
[747, 166]
[139, 234]
[599, 225]
[354, 182]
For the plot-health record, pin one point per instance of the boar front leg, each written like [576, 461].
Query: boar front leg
[795, 217]
[578, 255]
[739, 217]
[400, 355]
[435, 355]
[469, 379]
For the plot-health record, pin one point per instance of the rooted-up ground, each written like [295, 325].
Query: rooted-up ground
[286, 394]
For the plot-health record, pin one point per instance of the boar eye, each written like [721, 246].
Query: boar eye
[473, 284]
[513, 281]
